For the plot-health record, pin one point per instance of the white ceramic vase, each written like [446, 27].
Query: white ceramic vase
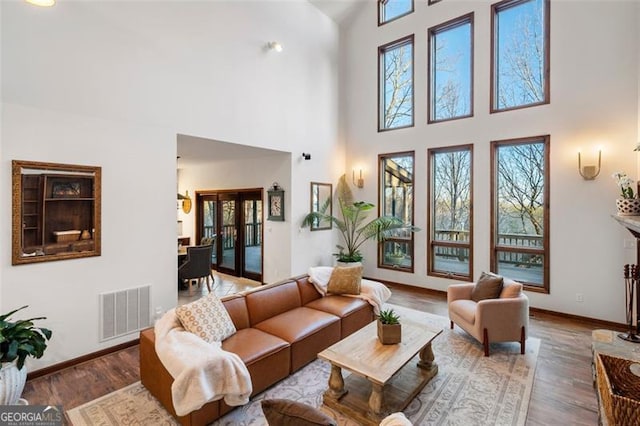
[12, 383]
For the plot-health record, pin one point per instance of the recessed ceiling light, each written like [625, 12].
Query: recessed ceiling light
[42, 3]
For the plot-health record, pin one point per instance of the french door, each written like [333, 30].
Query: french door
[234, 219]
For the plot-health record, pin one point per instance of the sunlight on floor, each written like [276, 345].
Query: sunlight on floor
[224, 285]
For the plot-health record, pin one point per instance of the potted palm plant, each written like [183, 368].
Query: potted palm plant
[18, 340]
[389, 327]
[353, 225]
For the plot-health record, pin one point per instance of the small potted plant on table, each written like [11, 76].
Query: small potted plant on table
[18, 340]
[389, 327]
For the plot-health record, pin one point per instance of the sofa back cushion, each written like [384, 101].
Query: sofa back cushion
[308, 292]
[237, 307]
[269, 301]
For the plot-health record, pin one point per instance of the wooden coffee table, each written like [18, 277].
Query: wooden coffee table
[383, 381]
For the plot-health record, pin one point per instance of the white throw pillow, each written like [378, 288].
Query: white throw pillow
[207, 318]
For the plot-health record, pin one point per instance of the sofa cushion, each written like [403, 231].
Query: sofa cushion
[237, 307]
[345, 280]
[296, 324]
[340, 306]
[283, 412]
[272, 300]
[207, 318]
[465, 308]
[510, 289]
[251, 344]
[488, 286]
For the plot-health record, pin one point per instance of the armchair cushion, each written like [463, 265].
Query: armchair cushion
[466, 309]
[488, 286]
[345, 280]
[207, 318]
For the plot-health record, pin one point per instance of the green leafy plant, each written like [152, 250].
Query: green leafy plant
[353, 225]
[20, 339]
[389, 317]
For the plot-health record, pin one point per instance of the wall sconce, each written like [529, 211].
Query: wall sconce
[42, 3]
[306, 156]
[360, 182]
[274, 45]
[186, 201]
[589, 172]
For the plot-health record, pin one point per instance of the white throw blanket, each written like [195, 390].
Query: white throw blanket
[372, 291]
[203, 372]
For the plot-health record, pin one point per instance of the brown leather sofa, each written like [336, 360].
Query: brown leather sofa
[280, 328]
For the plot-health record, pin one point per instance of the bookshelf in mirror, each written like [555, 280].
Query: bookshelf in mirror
[56, 211]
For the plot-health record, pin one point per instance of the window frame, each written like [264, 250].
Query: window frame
[545, 139]
[431, 33]
[431, 242]
[495, 9]
[410, 39]
[381, 12]
[411, 240]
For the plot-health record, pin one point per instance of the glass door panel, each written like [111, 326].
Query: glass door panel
[229, 234]
[252, 217]
[209, 221]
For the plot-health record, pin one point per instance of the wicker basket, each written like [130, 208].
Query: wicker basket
[619, 390]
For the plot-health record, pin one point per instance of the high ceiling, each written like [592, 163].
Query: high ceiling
[339, 10]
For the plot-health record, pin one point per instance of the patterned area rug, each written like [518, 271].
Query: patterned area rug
[469, 389]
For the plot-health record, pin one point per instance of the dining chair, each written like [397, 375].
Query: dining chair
[197, 265]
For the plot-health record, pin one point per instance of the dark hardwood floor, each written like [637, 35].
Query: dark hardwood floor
[562, 392]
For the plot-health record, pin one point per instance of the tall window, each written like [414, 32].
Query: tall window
[451, 69]
[519, 54]
[395, 91]
[451, 212]
[520, 211]
[396, 199]
[389, 10]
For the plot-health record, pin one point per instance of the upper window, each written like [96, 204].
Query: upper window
[389, 10]
[451, 69]
[395, 91]
[520, 54]
[451, 212]
[396, 199]
[520, 211]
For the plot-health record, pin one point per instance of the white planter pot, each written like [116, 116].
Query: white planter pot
[12, 383]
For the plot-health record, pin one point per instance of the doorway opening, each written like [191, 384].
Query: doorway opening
[233, 220]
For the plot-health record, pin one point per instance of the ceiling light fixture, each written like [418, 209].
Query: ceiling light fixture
[274, 45]
[42, 3]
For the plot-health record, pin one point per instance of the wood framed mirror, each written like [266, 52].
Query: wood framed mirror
[56, 211]
[321, 194]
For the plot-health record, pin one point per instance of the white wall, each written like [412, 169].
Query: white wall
[113, 84]
[594, 101]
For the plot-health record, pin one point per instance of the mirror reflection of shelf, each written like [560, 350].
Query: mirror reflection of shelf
[56, 211]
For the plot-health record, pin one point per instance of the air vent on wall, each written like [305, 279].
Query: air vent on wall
[125, 311]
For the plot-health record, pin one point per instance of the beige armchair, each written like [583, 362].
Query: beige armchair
[505, 319]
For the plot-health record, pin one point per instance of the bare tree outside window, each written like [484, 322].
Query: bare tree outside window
[396, 84]
[450, 214]
[520, 67]
[451, 69]
[520, 236]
